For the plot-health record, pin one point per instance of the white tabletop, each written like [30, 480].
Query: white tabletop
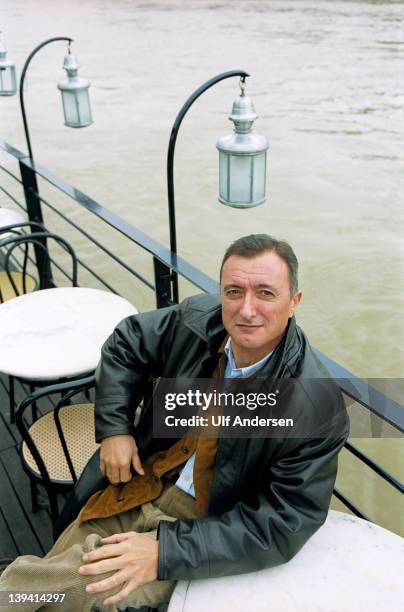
[59, 332]
[349, 565]
[9, 217]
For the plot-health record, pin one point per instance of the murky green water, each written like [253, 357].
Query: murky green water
[327, 81]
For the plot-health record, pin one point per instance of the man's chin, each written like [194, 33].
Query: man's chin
[247, 340]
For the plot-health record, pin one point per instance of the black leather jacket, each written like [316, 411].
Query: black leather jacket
[268, 495]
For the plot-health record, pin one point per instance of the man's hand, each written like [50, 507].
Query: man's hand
[133, 556]
[117, 455]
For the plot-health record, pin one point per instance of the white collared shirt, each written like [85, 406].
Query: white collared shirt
[232, 371]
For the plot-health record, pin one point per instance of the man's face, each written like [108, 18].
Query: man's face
[256, 304]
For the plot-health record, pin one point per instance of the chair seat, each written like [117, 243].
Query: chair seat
[75, 420]
[6, 289]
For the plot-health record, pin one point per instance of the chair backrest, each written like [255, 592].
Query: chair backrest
[19, 228]
[39, 241]
[25, 281]
[68, 390]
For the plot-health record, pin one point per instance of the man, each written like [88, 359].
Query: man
[241, 504]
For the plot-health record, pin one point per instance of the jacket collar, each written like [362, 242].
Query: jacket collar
[203, 315]
[288, 352]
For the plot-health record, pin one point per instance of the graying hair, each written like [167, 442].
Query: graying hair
[256, 244]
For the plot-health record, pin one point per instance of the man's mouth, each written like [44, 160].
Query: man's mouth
[248, 326]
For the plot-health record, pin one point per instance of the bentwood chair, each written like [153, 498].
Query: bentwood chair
[38, 241]
[20, 278]
[57, 445]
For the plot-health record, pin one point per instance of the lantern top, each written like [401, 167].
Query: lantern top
[73, 82]
[243, 109]
[2, 47]
[243, 141]
[4, 62]
[71, 64]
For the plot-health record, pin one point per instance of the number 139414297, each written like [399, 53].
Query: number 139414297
[21, 597]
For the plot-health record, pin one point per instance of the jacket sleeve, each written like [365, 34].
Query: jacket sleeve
[136, 351]
[268, 530]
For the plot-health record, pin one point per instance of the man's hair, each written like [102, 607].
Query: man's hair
[257, 244]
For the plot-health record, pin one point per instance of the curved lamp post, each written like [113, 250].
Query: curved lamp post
[8, 81]
[76, 106]
[76, 102]
[242, 158]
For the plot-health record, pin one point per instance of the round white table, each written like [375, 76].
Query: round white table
[9, 217]
[57, 333]
[349, 565]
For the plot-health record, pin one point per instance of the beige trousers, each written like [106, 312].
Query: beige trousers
[58, 570]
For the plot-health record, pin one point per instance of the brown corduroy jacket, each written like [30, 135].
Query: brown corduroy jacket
[141, 489]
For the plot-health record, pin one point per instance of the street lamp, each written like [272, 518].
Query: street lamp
[76, 104]
[242, 159]
[77, 114]
[8, 81]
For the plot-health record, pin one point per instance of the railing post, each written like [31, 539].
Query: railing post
[163, 283]
[34, 211]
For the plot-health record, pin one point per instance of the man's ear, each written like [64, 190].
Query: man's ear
[295, 303]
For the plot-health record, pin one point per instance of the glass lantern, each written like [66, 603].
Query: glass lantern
[242, 159]
[75, 98]
[8, 80]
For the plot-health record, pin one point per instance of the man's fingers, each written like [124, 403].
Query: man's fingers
[113, 475]
[117, 455]
[124, 474]
[103, 552]
[117, 537]
[126, 591]
[108, 583]
[136, 464]
[101, 567]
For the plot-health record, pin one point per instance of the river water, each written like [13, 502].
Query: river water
[327, 82]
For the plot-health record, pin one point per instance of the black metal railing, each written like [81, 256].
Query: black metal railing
[165, 265]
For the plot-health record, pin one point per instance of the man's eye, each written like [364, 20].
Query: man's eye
[266, 293]
[233, 292]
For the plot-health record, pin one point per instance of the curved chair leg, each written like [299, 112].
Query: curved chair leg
[53, 504]
[34, 407]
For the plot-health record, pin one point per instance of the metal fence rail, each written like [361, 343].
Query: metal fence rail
[165, 264]
[97, 243]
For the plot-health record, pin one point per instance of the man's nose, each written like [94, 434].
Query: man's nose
[248, 310]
